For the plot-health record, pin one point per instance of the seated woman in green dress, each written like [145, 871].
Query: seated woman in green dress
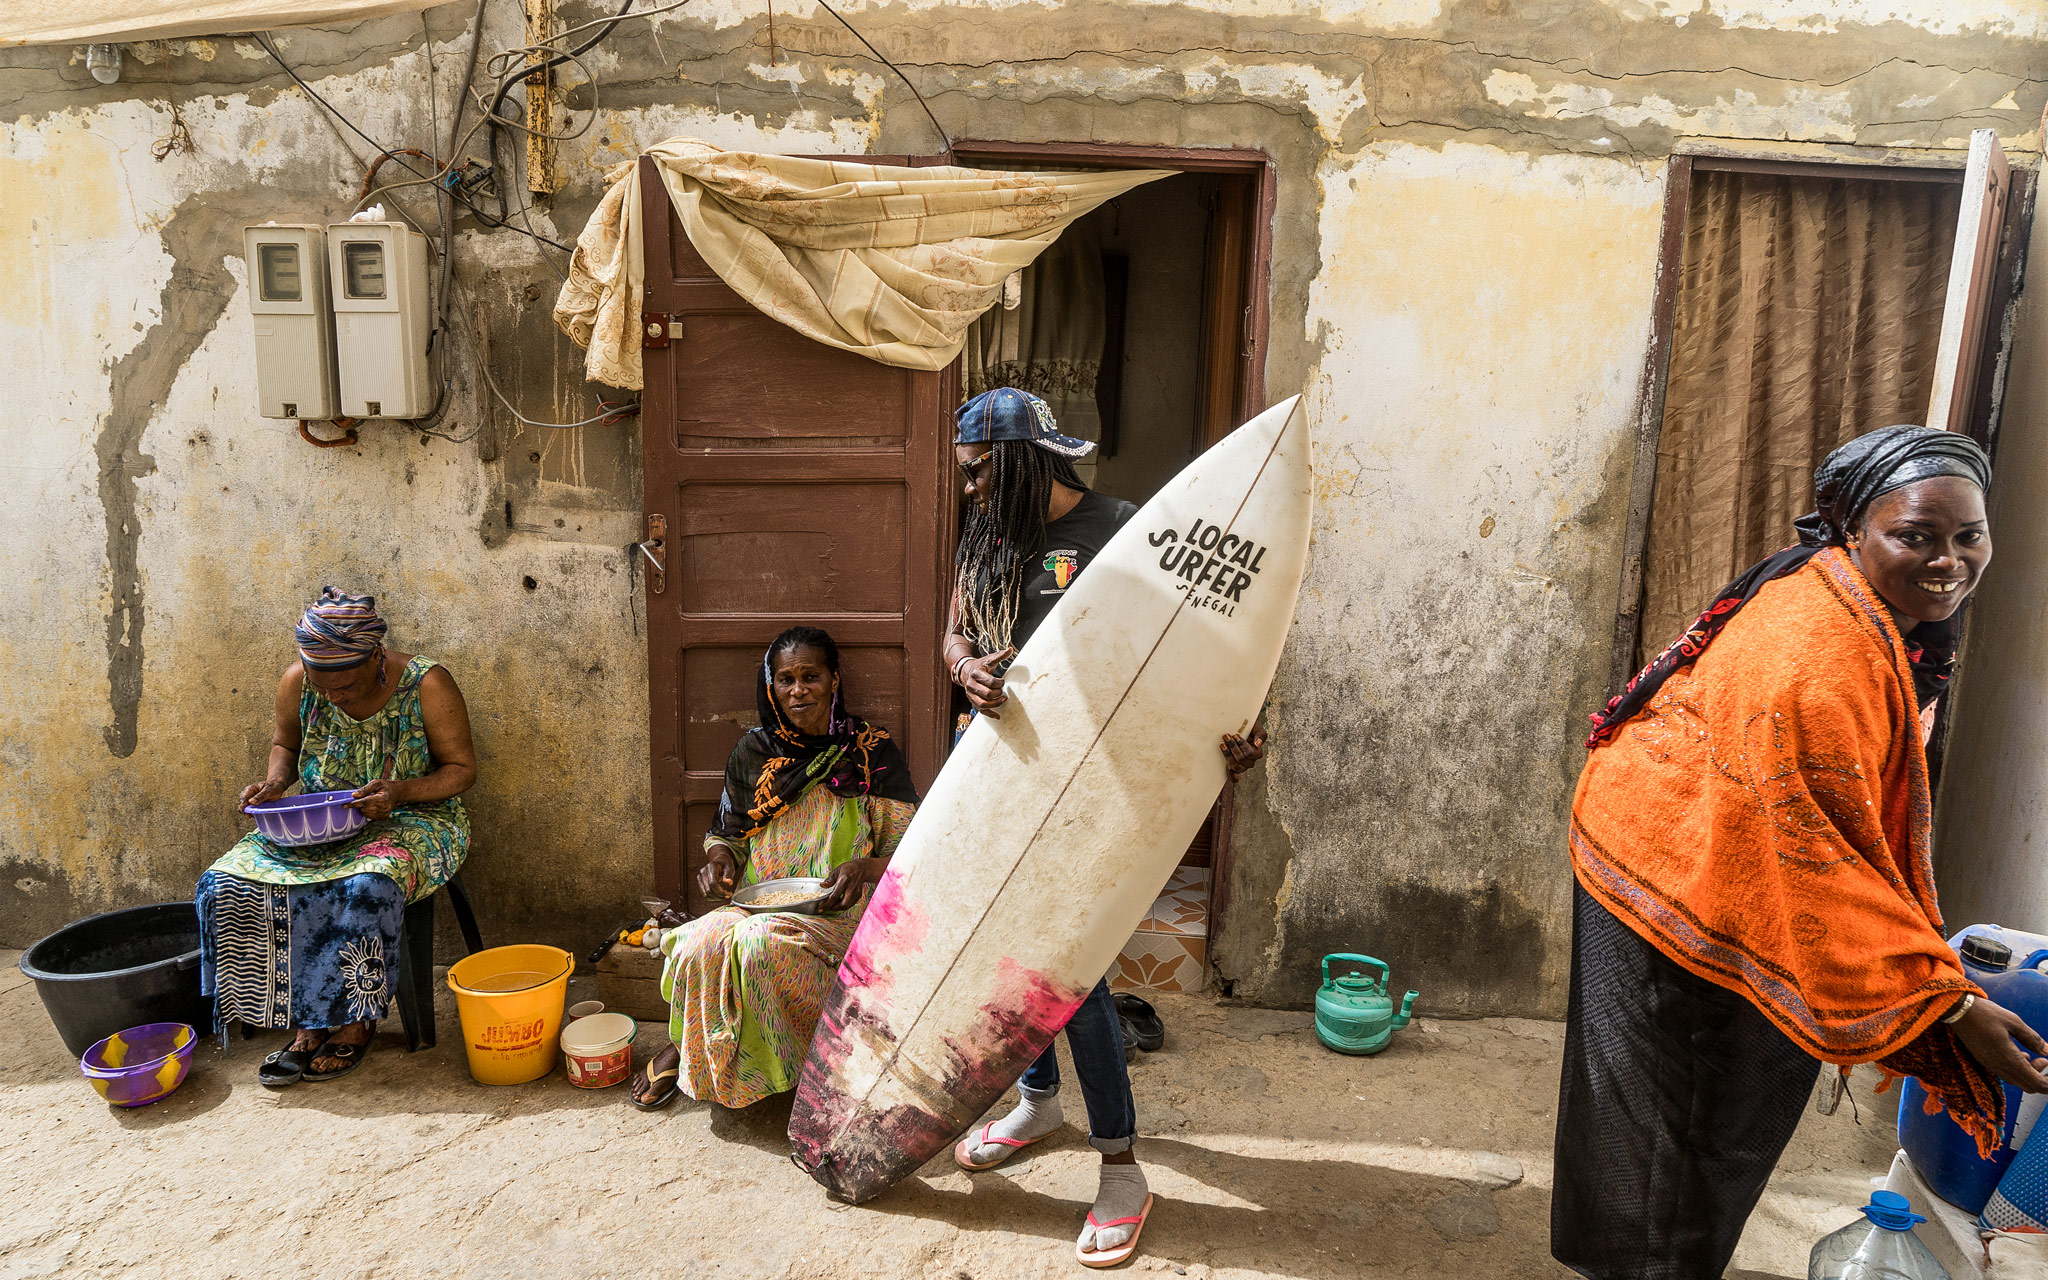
[813, 791]
[305, 938]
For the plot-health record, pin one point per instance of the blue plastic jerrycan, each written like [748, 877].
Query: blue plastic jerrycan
[1354, 1012]
[2008, 964]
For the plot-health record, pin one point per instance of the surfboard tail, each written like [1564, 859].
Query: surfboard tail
[857, 1147]
[866, 1113]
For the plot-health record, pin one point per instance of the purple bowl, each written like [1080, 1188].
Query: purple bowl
[141, 1065]
[315, 818]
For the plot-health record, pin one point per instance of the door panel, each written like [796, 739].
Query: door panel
[797, 484]
[1966, 312]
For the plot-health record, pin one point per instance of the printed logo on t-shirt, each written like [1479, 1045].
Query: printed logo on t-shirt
[1062, 565]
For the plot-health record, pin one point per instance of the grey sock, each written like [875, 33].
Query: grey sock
[1120, 1194]
[1034, 1117]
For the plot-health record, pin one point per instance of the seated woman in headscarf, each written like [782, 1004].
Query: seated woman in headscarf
[306, 938]
[813, 791]
[1755, 894]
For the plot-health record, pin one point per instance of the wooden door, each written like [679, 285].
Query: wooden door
[793, 483]
[1966, 320]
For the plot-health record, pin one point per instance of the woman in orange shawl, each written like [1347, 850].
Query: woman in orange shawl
[1755, 891]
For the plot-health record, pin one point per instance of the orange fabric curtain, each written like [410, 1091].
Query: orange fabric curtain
[1808, 313]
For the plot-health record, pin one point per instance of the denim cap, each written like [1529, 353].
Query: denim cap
[1009, 414]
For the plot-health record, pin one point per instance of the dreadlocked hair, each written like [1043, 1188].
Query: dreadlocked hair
[1001, 537]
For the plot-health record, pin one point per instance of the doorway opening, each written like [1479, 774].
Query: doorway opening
[1799, 305]
[1144, 328]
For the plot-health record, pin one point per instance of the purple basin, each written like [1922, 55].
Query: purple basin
[315, 818]
[141, 1065]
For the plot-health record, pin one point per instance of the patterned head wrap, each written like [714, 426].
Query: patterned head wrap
[339, 631]
[1844, 485]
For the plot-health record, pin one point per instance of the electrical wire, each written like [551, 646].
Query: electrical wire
[943, 137]
[380, 148]
[610, 412]
[495, 110]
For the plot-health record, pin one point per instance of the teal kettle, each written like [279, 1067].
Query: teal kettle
[1354, 1013]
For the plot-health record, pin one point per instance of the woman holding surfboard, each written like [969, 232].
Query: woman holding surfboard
[1032, 528]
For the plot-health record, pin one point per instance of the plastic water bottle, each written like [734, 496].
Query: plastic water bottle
[1880, 1247]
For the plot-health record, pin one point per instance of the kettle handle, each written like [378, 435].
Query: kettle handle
[1386, 973]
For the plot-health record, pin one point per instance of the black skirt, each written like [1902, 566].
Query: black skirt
[1678, 1098]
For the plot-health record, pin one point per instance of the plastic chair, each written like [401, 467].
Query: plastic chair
[416, 960]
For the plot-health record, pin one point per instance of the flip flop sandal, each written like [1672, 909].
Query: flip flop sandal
[1100, 1258]
[351, 1056]
[662, 1099]
[286, 1067]
[1130, 1034]
[962, 1150]
[1143, 1019]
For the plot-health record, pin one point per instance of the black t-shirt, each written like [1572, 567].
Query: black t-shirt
[1070, 543]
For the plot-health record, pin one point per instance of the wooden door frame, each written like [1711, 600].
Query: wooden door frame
[1649, 415]
[926, 690]
[1253, 288]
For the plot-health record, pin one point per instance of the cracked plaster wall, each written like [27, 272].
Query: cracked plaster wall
[1464, 252]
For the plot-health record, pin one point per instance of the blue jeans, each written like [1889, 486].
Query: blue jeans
[1095, 1037]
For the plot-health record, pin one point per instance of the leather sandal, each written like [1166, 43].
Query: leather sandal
[351, 1056]
[1142, 1019]
[286, 1067]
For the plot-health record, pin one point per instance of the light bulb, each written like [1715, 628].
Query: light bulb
[104, 61]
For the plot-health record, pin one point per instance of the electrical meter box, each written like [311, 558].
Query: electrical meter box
[294, 324]
[378, 276]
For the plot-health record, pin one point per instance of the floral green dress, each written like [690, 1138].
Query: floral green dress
[304, 937]
[745, 991]
[419, 846]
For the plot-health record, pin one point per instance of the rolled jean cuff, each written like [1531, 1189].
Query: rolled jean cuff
[1111, 1146]
[1027, 1091]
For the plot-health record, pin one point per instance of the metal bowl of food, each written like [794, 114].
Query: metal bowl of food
[800, 895]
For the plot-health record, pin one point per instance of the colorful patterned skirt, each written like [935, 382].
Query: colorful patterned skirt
[745, 991]
[298, 955]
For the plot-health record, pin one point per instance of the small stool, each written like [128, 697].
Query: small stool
[416, 960]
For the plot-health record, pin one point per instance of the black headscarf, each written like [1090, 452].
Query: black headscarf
[1844, 485]
[773, 765]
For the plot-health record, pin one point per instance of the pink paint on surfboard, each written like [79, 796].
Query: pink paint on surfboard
[857, 1152]
[1049, 832]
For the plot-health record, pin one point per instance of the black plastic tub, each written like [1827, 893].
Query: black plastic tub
[109, 972]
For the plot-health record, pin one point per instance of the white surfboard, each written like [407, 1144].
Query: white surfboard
[1051, 830]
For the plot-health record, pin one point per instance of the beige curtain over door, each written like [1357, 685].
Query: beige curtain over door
[1808, 313]
[887, 262]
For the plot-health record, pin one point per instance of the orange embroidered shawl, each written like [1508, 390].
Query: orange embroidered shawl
[1765, 822]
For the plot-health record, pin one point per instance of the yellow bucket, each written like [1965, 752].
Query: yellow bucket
[511, 1002]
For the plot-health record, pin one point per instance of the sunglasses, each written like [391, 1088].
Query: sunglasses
[972, 470]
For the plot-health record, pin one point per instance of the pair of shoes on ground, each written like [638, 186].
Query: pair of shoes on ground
[288, 1067]
[1141, 1025]
[1122, 1200]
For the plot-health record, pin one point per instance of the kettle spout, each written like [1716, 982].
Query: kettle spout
[1407, 1008]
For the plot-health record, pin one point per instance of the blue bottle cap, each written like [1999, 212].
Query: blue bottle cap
[1889, 1209]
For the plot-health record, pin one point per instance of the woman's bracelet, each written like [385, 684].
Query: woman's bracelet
[1955, 1015]
[960, 662]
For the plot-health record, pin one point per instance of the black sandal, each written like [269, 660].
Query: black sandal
[351, 1056]
[1142, 1019]
[659, 1100]
[287, 1066]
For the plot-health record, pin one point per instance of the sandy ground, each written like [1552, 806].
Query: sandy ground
[1270, 1156]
